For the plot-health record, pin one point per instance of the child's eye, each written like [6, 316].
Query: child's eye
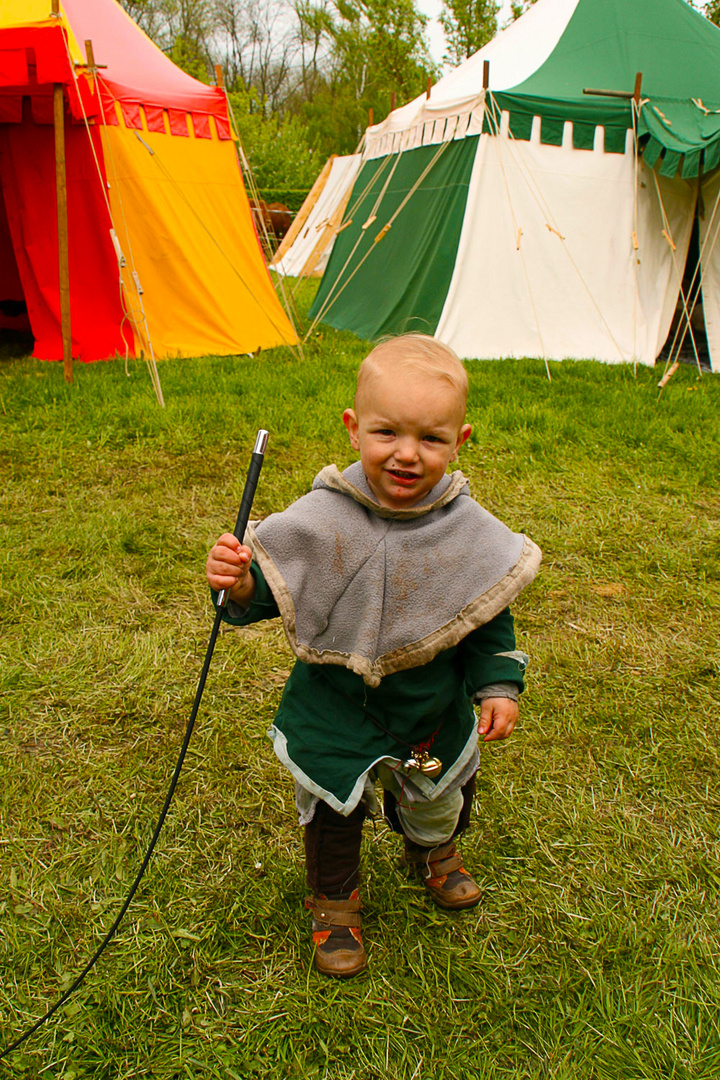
[433, 439]
[385, 431]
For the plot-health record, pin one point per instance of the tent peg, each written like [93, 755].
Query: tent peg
[371, 117]
[219, 77]
[429, 86]
[486, 74]
[668, 374]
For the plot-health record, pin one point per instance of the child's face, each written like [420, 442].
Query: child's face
[408, 428]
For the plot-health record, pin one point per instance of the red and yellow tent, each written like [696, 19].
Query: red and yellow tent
[163, 258]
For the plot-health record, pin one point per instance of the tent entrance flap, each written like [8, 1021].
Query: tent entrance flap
[13, 308]
[687, 339]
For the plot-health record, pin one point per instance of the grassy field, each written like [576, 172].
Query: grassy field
[595, 951]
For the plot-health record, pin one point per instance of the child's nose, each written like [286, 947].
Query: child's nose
[406, 449]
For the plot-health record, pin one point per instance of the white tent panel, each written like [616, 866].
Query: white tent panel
[317, 228]
[710, 259]
[546, 258]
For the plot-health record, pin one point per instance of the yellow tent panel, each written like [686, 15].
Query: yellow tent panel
[184, 225]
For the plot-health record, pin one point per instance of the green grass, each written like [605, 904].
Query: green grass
[595, 951]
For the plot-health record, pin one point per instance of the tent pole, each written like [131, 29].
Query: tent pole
[62, 217]
[61, 190]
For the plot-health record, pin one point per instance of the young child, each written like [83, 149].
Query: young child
[393, 586]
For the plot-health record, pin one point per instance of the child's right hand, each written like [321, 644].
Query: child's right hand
[228, 566]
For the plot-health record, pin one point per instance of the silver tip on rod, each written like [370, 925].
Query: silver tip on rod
[261, 441]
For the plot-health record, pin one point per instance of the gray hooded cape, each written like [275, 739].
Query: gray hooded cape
[379, 590]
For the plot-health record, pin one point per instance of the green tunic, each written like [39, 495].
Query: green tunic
[331, 728]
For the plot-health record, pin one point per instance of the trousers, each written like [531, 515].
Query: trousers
[332, 841]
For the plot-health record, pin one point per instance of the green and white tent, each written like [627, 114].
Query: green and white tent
[532, 218]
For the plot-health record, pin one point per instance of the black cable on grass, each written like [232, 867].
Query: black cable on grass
[240, 527]
[163, 814]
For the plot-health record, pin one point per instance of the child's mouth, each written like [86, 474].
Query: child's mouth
[403, 477]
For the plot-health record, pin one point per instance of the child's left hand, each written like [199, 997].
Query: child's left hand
[498, 717]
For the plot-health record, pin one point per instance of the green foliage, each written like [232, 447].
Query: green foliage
[277, 149]
[183, 29]
[188, 55]
[519, 7]
[290, 197]
[594, 953]
[377, 49]
[468, 25]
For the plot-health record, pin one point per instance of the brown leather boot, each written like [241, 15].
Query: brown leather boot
[443, 874]
[337, 936]
[332, 860]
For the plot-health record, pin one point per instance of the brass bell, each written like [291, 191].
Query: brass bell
[420, 761]
[431, 767]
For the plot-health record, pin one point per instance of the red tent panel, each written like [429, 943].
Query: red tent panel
[27, 169]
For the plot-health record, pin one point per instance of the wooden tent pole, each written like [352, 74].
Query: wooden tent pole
[62, 219]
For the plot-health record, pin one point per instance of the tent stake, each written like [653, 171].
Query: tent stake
[486, 74]
[62, 218]
[668, 374]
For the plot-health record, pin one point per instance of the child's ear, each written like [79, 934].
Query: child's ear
[463, 436]
[350, 421]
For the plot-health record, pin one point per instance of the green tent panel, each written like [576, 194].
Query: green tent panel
[423, 239]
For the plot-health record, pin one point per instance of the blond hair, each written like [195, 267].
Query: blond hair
[414, 353]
